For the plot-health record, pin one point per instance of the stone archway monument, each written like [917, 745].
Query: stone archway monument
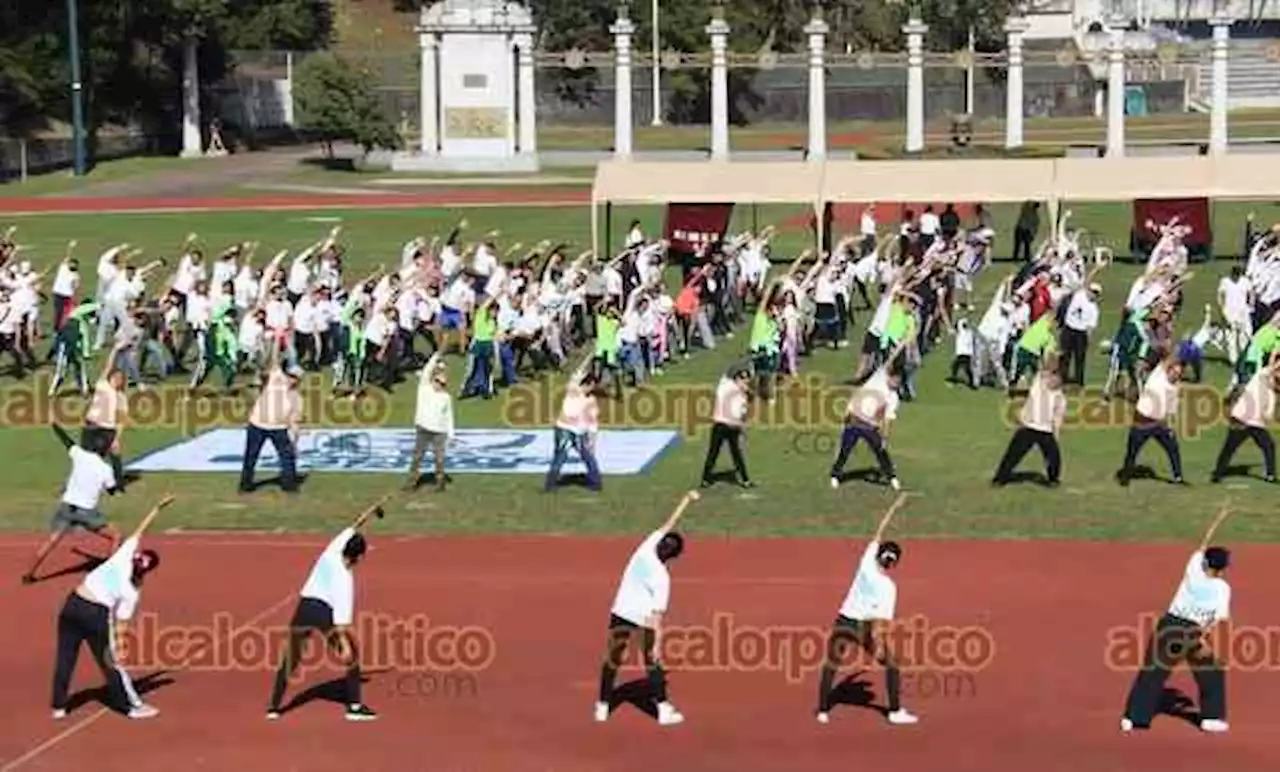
[477, 101]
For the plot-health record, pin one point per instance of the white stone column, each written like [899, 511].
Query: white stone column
[428, 95]
[1218, 111]
[1014, 29]
[718, 32]
[1115, 93]
[914, 30]
[528, 106]
[622, 30]
[817, 30]
[192, 140]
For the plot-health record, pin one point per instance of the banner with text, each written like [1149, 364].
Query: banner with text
[692, 226]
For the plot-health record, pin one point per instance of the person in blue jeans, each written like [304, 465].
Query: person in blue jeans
[577, 427]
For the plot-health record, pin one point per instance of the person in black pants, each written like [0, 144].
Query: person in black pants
[639, 606]
[1202, 601]
[1252, 410]
[97, 613]
[1024, 233]
[326, 605]
[274, 419]
[1157, 404]
[732, 395]
[1040, 422]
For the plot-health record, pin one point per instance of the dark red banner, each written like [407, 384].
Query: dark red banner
[692, 226]
[1191, 212]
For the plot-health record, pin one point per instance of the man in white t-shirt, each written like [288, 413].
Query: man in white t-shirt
[1203, 600]
[91, 476]
[639, 607]
[864, 620]
[1234, 301]
[326, 605]
[733, 399]
[1153, 418]
[1250, 415]
[868, 416]
[98, 613]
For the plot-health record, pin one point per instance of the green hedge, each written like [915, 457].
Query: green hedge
[879, 153]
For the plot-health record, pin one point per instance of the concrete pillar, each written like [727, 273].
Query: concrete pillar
[914, 30]
[192, 140]
[1218, 112]
[817, 30]
[1115, 93]
[528, 106]
[623, 28]
[718, 32]
[428, 95]
[1015, 27]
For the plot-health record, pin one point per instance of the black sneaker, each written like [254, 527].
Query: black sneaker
[360, 713]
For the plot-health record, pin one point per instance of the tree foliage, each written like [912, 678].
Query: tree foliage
[337, 98]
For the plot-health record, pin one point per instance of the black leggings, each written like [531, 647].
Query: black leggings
[82, 621]
[621, 632]
[848, 634]
[313, 616]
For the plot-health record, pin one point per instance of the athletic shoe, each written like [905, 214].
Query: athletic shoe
[902, 716]
[143, 711]
[824, 717]
[360, 713]
[835, 482]
[668, 715]
[59, 714]
[273, 715]
[895, 484]
[1213, 725]
[602, 712]
[1126, 725]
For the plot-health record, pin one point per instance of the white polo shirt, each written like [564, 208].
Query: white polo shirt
[645, 589]
[874, 400]
[66, 282]
[1201, 598]
[111, 583]
[1159, 398]
[1235, 298]
[90, 477]
[332, 582]
[107, 406]
[873, 595]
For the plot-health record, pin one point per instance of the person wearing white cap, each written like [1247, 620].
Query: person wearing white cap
[1080, 320]
[275, 418]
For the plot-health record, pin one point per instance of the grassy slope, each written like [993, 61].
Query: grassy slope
[946, 444]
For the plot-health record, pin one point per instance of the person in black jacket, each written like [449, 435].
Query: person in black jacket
[1024, 233]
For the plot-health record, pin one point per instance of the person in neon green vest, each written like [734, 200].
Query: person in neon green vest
[608, 325]
[484, 329]
[72, 349]
[224, 349]
[349, 367]
[1037, 341]
[1263, 342]
[766, 336]
[901, 327]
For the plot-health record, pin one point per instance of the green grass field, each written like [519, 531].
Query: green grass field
[946, 443]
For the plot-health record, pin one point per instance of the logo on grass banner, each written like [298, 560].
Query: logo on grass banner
[474, 451]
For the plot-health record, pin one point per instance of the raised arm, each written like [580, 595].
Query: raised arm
[152, 515]
[888, 515]
[688, 499]
[1213, 527]
[364, 516]
[65, 438]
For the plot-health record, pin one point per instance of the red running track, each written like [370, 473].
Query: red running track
[1046, 701]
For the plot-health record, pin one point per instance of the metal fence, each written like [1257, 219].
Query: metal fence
[22, 157]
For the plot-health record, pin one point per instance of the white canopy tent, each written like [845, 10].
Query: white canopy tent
[1052, 180]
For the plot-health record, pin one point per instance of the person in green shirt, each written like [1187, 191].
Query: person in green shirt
[484, 329]
[607, 327]
[72, 348]
[348, 367]
[1263, 342]
[224, 350]
[766, 336]
[1037, 341]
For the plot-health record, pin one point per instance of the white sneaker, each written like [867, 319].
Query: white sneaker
[1213, 725]
[897, 486]
[824, 718]
[668, 715]
[602, 712]
[1126, 725]
[59, 714]
[835, 482]
[902, 716]
[143, 711]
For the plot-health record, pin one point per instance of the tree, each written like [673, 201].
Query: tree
[337, 98]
